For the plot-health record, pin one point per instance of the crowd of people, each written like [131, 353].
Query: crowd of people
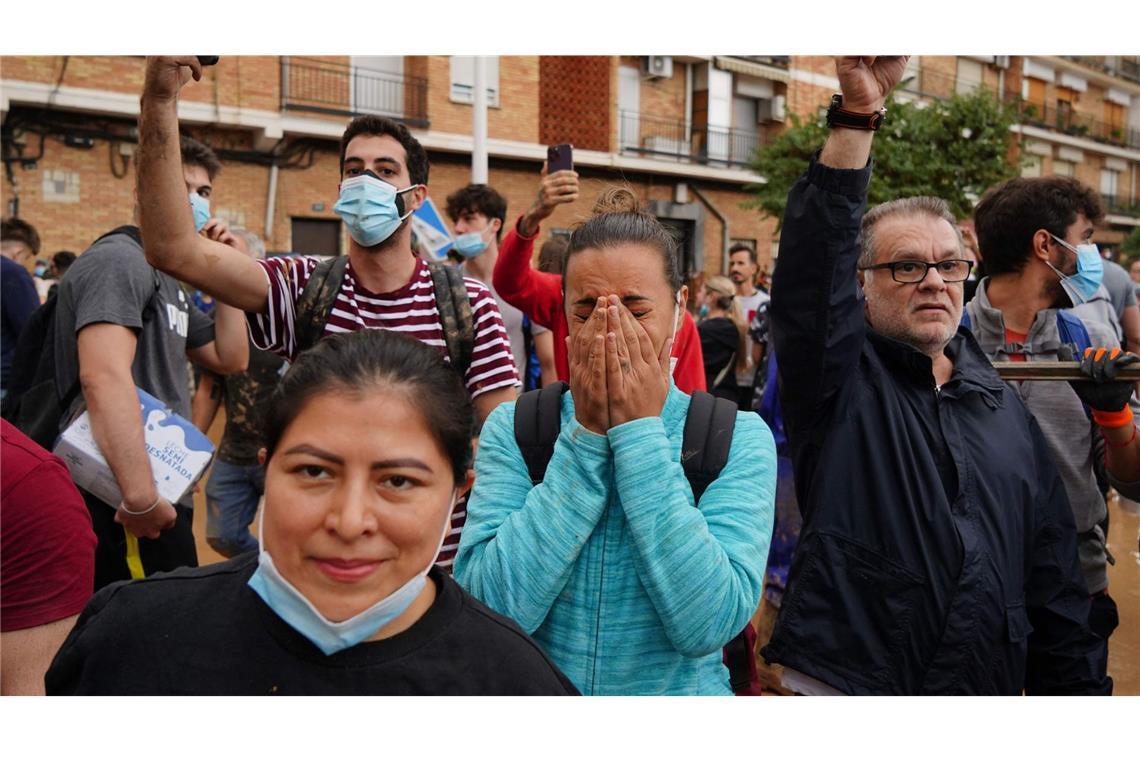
[552, 478]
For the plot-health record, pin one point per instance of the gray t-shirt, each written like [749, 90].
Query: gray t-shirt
[111, 282]
[1119, 286]
[513, 322]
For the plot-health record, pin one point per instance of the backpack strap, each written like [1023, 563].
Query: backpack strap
[708, 436]
[316, 301]
[704, 452]
[538, 420]
[454, 306]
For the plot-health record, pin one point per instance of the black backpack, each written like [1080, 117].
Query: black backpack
[36, 402]
[704, 452]
[451, 299]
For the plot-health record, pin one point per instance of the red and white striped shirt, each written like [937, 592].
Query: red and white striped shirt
[410, 310]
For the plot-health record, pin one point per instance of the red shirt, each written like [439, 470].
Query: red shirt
[1015, 337]
[539, 295]
[47, 546]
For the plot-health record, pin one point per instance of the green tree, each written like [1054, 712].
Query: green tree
[1130, 248]
[953, 149]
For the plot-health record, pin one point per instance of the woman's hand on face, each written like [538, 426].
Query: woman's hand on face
[587, 357]
[637, 377]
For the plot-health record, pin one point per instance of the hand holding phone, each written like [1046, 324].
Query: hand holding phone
[559, 158]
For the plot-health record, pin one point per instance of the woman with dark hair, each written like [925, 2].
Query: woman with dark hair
[605, 560]
[723, 337]
[367, 448]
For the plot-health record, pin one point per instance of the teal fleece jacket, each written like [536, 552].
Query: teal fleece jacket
[606, 563]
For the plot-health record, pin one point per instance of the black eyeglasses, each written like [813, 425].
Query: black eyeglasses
[912, 272]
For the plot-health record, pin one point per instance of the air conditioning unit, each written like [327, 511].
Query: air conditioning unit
[657, 66]
[1001, 61]
[771, 109]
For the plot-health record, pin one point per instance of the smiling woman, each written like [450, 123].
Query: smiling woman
[368, 447]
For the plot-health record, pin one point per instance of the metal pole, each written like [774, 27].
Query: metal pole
[1056, 371]
[479, 124]
[271, 203]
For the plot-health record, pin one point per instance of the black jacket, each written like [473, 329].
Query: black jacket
[938, 552]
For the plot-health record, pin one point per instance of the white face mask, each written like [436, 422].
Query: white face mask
[330, 637]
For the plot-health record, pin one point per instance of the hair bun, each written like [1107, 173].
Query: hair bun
[617, 200]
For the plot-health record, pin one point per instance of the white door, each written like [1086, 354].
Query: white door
[378, 84]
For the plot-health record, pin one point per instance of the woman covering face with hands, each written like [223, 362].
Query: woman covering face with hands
[629, 586]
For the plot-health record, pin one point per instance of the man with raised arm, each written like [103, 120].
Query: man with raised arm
[381, 284]
[938, 551]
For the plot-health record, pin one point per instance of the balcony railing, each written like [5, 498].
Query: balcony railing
[1070, 122]
[1120, 205]
[1117, 65]
[932, 84]
[340, 89]
[654, 137]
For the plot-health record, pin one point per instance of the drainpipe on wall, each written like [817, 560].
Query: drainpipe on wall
[271, 202]
[723, 222]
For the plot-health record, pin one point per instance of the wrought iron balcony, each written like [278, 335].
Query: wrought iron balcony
[1127, 67]
[653, 137]
[325, 87]
[1120, 205]
[1068, 121]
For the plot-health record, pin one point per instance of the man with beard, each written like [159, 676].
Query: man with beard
[1035, 236]
[742, 268]
[381, 284]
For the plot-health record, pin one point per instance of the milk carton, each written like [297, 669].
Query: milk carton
[179, 453]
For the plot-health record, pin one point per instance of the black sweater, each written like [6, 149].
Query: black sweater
[203, 631]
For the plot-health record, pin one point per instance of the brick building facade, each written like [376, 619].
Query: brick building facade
[678, 130]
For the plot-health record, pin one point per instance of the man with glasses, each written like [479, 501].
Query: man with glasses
[938, 552]
[1039, 259]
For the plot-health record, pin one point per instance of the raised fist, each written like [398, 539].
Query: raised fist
[865, 81]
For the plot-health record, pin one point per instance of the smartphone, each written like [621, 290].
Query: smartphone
[559, 158]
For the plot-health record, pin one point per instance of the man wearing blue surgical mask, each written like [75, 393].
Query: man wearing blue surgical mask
[380, 284]
[120, 324]
[478, 213]
[1036, 236]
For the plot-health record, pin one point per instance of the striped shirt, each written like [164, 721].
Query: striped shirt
[410, 310]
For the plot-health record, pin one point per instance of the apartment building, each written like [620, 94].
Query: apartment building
[679, 130]
[1079, 117]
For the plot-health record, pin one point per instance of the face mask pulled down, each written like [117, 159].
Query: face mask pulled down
[289, 604]
[1082, 286]
[371, 208]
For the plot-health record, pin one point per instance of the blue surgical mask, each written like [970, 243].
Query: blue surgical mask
[41, 271]
[289, 604]
[371, 208]
[471, 244]
[703, 311]
[201, 208]
[1081, 286]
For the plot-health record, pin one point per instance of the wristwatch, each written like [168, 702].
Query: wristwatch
[838, 116]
